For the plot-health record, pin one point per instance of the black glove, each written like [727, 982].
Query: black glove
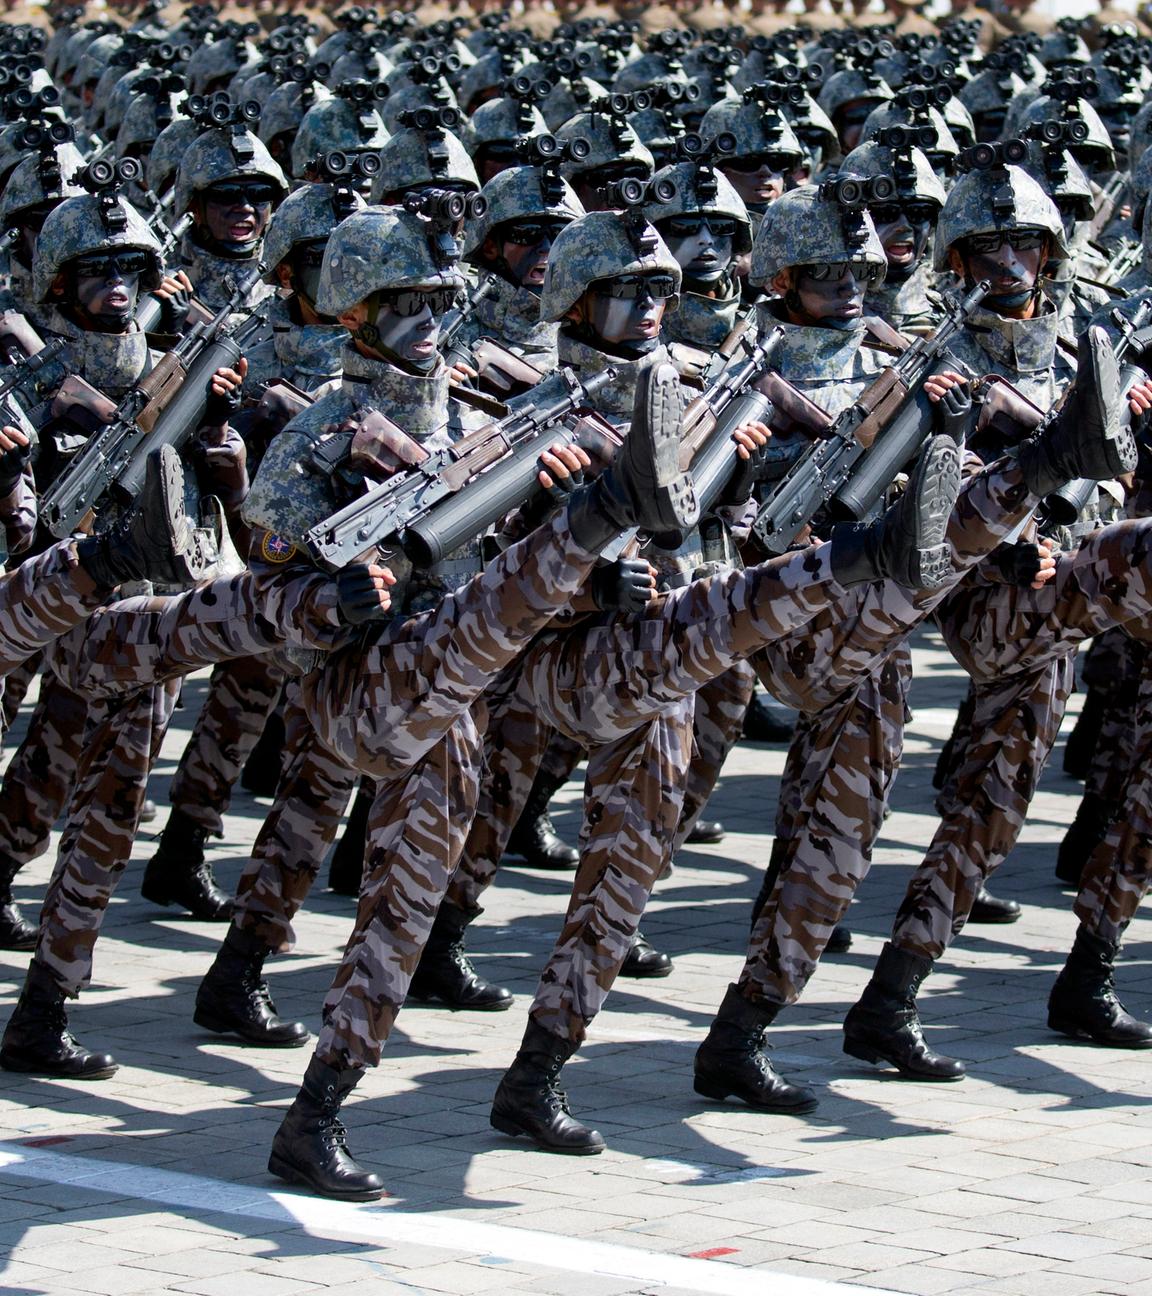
[174, 312]
[1018, 564]
[219, 409]
[953, 411]
[12, 465]
[563, 487]
[621, 586]
[748, 472]
[357, 597]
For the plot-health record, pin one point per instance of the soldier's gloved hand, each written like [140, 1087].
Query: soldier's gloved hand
[362, 593]
[752, 457]
[626, 585]
[224, 389]
[225, 458]
[175, 293]
[951, 398]
[1140, 407]
[562, 470]
[1025, 563]
[15, 455]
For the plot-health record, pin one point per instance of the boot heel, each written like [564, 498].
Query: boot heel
[283, 1170]
[861, 1051]
[504, 1125]
[709, 1089]
[211, 1022]
[1063, 1027]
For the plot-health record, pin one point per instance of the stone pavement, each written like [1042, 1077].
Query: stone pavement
[1032, 1176]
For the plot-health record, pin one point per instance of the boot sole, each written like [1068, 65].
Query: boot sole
[866, 1054]
[282, 1170]
[658, 396]
[1072, 1031]
[506, 1126]
[719, 1093]
[1118, 446]
[219, 1026]
[936, 483]
[438, 1001]
[104, 1073]
[166, 901]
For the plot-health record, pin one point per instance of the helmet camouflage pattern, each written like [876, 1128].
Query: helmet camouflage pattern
[725, 201]
[611, 141]
[76, 228]
[757, 128]
[601, 245]
[163, 160]
[27, 185]
[306, 216]
[972, 209]
[500, 120]
[849, 85]
[211, 63]
[886, 115]
[286, 108]
[407, 163]
[335, 124]
[517, 192]
[912, 171]
[212, 158]
[803, 228]
[377, 249]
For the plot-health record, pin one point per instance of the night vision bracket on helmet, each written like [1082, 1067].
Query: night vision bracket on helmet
[106, 182]
[346, 173]
[996, 159]
[630, 196]
[364, 96]
[445, 212]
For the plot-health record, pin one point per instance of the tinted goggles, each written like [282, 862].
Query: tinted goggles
[862, 271]
[1022, 240]
[126, 261]
[918, 213]
[411, 301]
[530, 233]
[777, 163]
[242, 193]
[688, 225]
[633, 287]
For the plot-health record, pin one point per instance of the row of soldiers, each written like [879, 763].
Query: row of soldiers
[504, 361]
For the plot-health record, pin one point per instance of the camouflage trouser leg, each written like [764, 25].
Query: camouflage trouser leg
[40, 774]
[415, 834]
[1112, 761]
[241, 694]
[1017, 644]
[16, 688]
[1118, 873]
[840, 767]
[717, 724]
[40, 601]
[103, 816]
[560, 758]
[516, 744]
[634, 793]
[381, 704]
[311, 798]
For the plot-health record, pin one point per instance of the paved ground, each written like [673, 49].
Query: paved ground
[1033, 1176]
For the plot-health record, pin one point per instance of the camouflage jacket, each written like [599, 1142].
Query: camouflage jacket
[511, 316]
[214, 278]
[704, 321]
[306, 355]
[910, 306]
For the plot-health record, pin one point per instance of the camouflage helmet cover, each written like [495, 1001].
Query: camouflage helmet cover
[607, 145]
[756, 127]
[377, 249]
[407, 163]
[305, 216]
[211, 158]
[724, 202]
[916, 180]
[335, 124]
[168, 148]
[499, 120]
[973, 207]
[600, 245]
[76, 228]
[26, 187]
[515, 193]
[804, 228]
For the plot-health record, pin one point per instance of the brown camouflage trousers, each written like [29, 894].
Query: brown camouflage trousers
[1112, 762]
[41, 773]
[1017, 645]
[16, 688]
[1117, 875]
[41, 600]
[717, 722]
[310, 801]
[121, 744]
[843, 655]
[241, 695]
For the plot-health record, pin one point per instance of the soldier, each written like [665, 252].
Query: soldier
[1014, 633]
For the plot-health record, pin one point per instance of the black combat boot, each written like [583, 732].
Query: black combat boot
[445, 973]
[148, 811]
[535, 839]
[731, 1063]
[991, 909]
[346, 868]
[179, 874]
[644, 960]
[37, 1040]
[884, 1025]
[1082, 741]
[706, 832]
[908, 543]
[1083, 1001]
[1093, 818]
[762, 724]
[644, 487]
[529, 1099]
[234, 999]
[16, 932]
[261, 772]
[311, 1145]
[156, 541]
[1089, 434]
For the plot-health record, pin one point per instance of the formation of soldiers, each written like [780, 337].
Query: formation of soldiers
[483, 395]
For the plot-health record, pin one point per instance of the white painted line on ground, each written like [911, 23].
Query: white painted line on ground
[376, 1223]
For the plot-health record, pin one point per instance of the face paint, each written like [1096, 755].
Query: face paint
[704, 254]
[850, 119]
[238, 220]
[835, 301]
[108, 299]
[760, 186]
[412, 338]
[524, 248]
[625, 319]
[1011, 271]
[904, 234]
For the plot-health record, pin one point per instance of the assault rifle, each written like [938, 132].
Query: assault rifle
[23, 371]
[868, 443]
[427, 507]
[150, 308]
[458, 316]
[1111, 195]
[164, 408]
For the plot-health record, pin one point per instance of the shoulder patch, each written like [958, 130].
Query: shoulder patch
[276, 549]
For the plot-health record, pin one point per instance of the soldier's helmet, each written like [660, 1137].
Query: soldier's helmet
[414, 157]
[1096, 152]
[213, 65]
[851, 85]
[755, 127]
[39, 179]
[942, 149]
[1063, 178]
[338, 123]
[906, 163]
[818, 225]
[603, 245]
[87, 225]
[146, 116]
[612, 143]
[217, 155]
[996, 197]
[499, 121]
[702, 189]
[168, 148]
[285, 110]
[517, 193]
[381, 248]
[307, 215]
